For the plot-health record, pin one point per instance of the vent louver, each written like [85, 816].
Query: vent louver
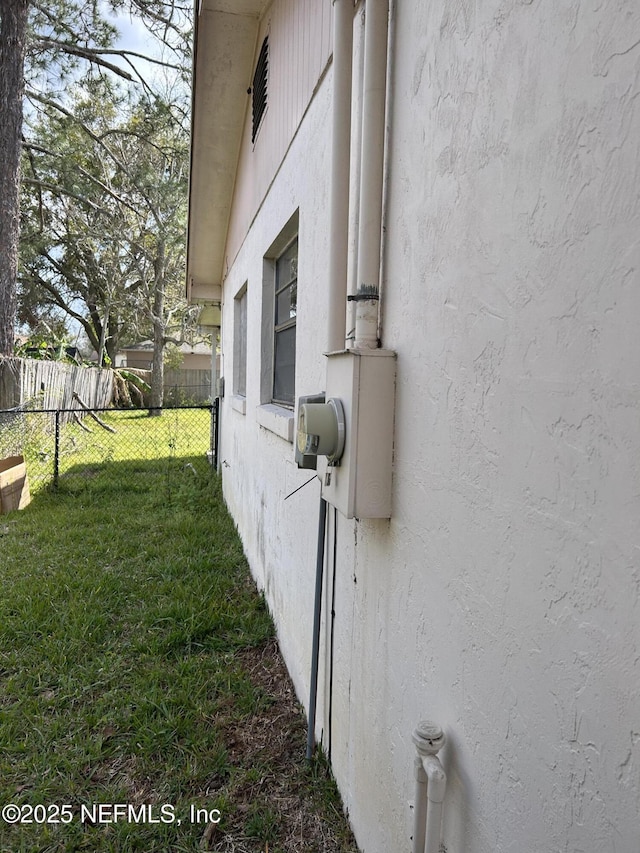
[259, 88]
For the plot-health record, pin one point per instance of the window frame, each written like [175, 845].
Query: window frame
[240, 313]
[279, 328]
[275, 417]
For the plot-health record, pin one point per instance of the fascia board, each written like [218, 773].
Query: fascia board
[225, 47]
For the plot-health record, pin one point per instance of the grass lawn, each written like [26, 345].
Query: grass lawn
[87, 450]
[138, 666]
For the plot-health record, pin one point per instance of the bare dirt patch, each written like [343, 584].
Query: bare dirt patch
[275, 794]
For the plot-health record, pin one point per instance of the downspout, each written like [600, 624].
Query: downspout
[340, 172]
[367, 296]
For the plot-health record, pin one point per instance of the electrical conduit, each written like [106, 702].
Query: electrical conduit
[340, 172]
[376, 31]
[338, 258]
[317, 610]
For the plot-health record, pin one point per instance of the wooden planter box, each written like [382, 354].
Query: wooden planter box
[14, 485]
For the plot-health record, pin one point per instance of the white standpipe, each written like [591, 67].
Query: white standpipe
[431, 783]
[376, 32]
[340, 171]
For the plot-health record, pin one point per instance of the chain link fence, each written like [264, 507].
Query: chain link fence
[67, 448]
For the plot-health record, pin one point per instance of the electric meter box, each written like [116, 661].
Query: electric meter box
[307, 460]
[364, 381]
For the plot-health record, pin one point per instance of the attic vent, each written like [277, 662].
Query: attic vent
[259, 88]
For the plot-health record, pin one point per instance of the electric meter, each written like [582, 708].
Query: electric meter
[307, 460]
[321, 430]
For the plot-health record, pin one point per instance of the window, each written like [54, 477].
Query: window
[259, 89]
[240, 343]
[278, 339]
[284, 342]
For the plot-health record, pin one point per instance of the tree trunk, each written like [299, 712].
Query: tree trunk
[103, 333]
[13, 30]
[157, 368]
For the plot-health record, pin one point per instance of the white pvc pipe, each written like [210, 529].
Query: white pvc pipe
[436, 785]
[431, 783]
[340, 172]
[376, 30]
[420, 808]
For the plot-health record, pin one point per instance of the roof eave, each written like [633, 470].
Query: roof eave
[224, 48]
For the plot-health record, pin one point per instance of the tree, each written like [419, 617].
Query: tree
[72, 42]
[104, 204]
[13, 32]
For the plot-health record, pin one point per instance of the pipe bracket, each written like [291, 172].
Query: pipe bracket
[363, 297]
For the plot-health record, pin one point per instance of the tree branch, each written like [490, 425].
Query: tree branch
[47, 102]
[94, 54]
[30, 147]
[88, 53]
[58, 190]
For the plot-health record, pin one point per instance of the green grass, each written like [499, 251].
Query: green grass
[138, 666]
[179, 435]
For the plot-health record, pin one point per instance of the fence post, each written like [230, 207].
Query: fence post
[215, 431]
[56, 453]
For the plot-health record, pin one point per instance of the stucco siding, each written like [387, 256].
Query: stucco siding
[501, 598]
[300, 43]
[512, 233]
[257, 465]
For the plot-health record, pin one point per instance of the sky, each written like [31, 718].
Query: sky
[135, 37]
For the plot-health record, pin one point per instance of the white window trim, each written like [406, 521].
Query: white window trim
[239, 404]
[276, 419]
[240, 341]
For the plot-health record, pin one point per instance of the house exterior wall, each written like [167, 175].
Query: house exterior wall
[257, 463]
[144, 358]
[501, 598]
[300, 44]
[140, 359]
[196, 361]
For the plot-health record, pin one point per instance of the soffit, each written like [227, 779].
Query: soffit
[235, 7]
[226, 35]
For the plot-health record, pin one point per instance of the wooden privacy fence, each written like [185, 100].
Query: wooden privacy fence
[30, 383]
[182, 387]
[35, 384]
[186, 386]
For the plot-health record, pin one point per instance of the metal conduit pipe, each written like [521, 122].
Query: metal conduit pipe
[431, 783]
[340, 172]
[338, 258]
[376, 34]
[317, 610]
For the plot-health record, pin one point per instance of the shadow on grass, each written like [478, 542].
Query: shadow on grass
[138, 476]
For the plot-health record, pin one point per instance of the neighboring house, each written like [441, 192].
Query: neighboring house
[196, 357]
[191, 382]
[482, 544]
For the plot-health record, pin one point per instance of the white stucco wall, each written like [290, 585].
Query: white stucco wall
[257, 464]
[519, 250]
[501, 599]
